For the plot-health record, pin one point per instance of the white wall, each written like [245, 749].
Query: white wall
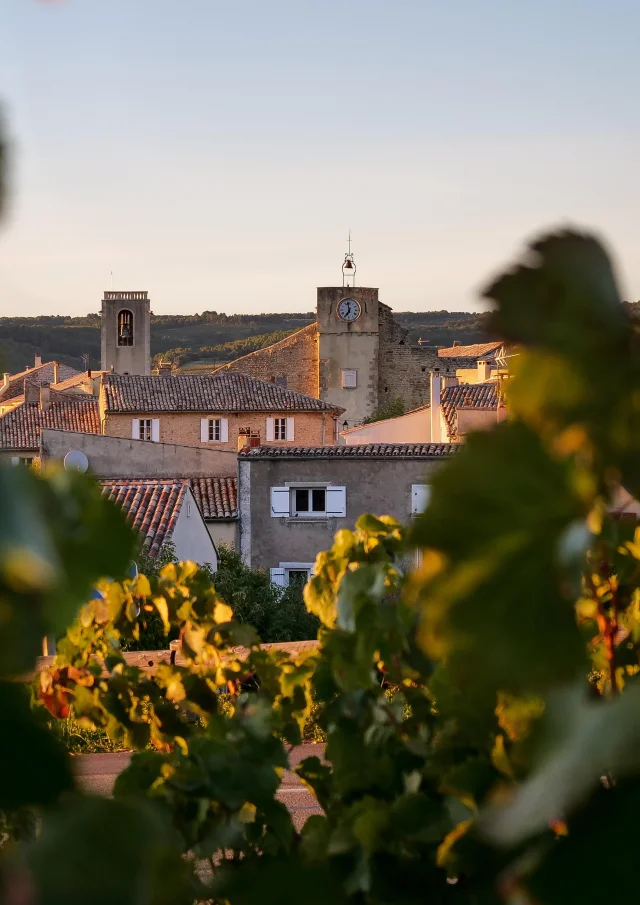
[190, 536]
[414, 427]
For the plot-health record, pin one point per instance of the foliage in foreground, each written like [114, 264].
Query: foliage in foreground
[481, 714]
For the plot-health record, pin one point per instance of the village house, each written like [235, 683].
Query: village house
[292, 501]
[165, 512]
[213, 410]
[456, 409]
[13, 385]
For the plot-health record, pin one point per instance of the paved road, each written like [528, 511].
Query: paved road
[97, 774]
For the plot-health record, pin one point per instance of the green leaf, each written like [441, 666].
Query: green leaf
[494, 588]
[583, 741]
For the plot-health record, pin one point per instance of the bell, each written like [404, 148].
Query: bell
[125, 332]
[348, 265]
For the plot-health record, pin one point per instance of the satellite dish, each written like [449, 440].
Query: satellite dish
[75, 460]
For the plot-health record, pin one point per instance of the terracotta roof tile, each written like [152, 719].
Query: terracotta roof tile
[152, 507]
[475, 351]
[223, 392]
[217, 498]
[466, 396]
[20, 428]
[41, 374]
[360, 451]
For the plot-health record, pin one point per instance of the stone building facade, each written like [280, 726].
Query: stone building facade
[126, 332]
[321, 358]
[213, 411]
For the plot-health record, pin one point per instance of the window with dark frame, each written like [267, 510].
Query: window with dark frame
[280, 428]
[145, 429]
[309, 501]
[297, 578]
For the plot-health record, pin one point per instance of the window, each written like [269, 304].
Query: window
[214, 430]
[311, 502]
[280, 428]
[21, 460]
[292, 574]
[146, 429]
[125, 328]
[349, 378]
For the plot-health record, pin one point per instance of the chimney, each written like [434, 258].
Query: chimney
[45, 397]
[31, 392]
[450, 380]
[6, 377]
[165, 369]
[484, 371]
[38, 360]
[56, 372]
[435, 385]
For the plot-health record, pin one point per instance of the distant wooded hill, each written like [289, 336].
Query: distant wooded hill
[195, 340]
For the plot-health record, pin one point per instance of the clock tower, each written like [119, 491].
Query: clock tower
[348, 346]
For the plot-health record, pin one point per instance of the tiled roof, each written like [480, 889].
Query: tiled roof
[38, 375]
[476, 351]
[466, 396]
[20, 428]
[151, 506]
[223, 392]
[76, 380]
[217, 498]
[360, 451]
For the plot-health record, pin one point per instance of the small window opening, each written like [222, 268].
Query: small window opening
[125, 328]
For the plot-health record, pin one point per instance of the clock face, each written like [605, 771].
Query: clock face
[349, 309]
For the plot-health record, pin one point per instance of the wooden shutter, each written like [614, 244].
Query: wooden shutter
[290, 431]
[271, 430]
[278, 577]
[15, 460]
[280, 502]
[204, 430]
[224, 430]
[420, 494]
[135, 428]
[155, 430]
[336, 502]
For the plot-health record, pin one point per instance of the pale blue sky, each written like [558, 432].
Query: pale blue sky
[216, 153]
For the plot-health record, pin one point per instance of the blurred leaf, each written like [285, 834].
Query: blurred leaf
[584, 741]
[34, 768]
[105, 851]
[493, 588]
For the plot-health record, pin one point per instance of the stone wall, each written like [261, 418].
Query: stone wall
[403, 369]
[115, 457]
[293, 362]
[183, 428]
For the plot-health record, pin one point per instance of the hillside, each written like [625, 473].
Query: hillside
[199, 340]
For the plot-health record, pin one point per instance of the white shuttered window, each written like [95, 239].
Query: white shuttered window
[420, 494]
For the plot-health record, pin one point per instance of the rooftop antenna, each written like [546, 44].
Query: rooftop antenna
[349, 268]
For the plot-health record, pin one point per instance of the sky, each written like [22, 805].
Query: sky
[217, 153]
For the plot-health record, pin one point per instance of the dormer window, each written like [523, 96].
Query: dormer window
[125, 328]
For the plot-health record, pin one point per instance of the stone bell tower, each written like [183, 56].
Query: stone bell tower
[126, 335]
[348, 345]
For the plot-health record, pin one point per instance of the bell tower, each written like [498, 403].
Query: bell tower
[125, 332]
[348, 345]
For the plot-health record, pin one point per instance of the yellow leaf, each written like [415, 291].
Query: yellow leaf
[247, 813]
[499, 757]
[222, 613]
